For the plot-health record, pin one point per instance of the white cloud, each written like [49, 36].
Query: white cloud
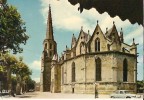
[65, 16]
[35, 65]
[137, 34]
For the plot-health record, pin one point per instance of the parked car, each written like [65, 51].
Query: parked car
[4, 92]
[123, 94]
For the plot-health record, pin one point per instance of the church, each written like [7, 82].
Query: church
[100, 62]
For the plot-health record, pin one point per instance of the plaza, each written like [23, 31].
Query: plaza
[48, 95]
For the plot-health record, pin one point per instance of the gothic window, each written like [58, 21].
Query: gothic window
[98, 69]
[80, 48]
[125, 70]
[50, 46]
[97, 44]
[108, 46]
[73, 72]
[45, 46]
[50, 53]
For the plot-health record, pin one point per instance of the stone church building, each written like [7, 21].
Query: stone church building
[101, 61]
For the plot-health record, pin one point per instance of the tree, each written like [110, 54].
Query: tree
[140, 86]
[9, 63]
[14, 82]
[12, 28]
[14, 66]
[31, 84]
[22, 72]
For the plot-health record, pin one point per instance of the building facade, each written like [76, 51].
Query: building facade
[101, 61]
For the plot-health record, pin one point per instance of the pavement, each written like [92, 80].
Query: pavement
[48, 95]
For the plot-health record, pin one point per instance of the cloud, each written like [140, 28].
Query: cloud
[137, 34]
[35, 65]
[67, 17]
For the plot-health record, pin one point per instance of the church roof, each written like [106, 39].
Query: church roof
[112, 32]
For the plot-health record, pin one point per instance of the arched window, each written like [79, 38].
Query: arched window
[125, 70]
[50, 54]
[97, 44]
[98, 69]
[80, 48]
[73, 72]
[50, 46]
[45, 46]
[108, 46]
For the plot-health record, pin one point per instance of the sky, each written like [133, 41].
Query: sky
[67, 20]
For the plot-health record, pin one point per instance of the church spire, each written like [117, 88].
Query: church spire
[49, 33]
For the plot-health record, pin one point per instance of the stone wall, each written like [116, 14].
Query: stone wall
[111, 73]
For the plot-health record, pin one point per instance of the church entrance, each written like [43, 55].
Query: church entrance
[72, 90]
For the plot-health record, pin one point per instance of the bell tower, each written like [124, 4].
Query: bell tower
[50, 48]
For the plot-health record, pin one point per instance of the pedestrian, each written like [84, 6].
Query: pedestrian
[96, 93]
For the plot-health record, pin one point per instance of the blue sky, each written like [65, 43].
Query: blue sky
[66, 21]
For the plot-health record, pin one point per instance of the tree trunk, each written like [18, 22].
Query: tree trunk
[9, 78]
[18, 89]
[18, 86]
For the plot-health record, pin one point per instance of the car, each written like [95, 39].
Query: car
[123, 94]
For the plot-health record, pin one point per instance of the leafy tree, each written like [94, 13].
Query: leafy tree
[9, 62]
[12, 28]
[31, 84]
[140, 86]
[14, 82]
[17, 67]
[22, 73]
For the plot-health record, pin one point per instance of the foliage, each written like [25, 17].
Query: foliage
[14, 82]
[1, 68]
[12, 29]
[31, 84]
[140, 86]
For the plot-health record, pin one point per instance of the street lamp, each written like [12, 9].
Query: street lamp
[96, 91]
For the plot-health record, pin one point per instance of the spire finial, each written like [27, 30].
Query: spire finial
[121, 31]
[113, 22]
[97, 21]
[133, 40]
[106, 29]
[88, 31]
[49, 7]
[81, 27]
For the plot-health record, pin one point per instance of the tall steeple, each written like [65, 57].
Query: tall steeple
[50, 49]
[49, 32]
